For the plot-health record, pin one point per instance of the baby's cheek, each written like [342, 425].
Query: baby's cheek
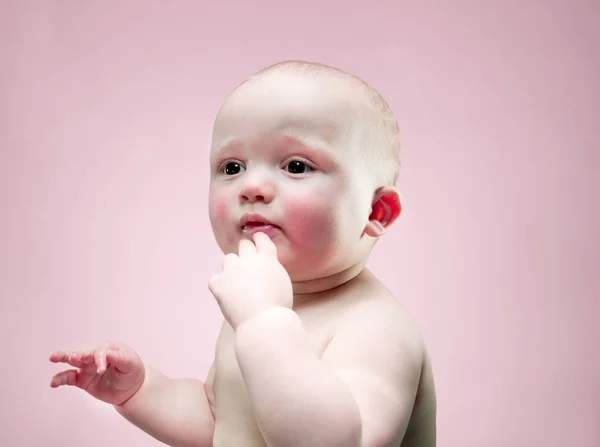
[218, 209]
[311, 221]
[220, 214]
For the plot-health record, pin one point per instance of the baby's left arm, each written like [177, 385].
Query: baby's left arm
[360, 393]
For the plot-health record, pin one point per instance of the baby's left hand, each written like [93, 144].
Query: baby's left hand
[252, 281]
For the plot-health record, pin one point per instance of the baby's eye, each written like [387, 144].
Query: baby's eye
[232, 168]
[297, 167]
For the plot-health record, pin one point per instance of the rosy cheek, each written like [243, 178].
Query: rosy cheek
[311, 221]
[219, 209]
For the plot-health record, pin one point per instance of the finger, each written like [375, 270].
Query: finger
[81, 358]
[74, 359]
[246, 247]
[68, 377]
[122, 361]
[100, 358]
[229, 259]
[264, 244]
[60, 356]
[212, 283]
[87, 357]
[65, 356]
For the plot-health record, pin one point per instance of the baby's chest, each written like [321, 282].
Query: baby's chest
[234, 420]
[229, 386]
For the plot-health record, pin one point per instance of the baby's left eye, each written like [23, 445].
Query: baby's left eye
[297, 167]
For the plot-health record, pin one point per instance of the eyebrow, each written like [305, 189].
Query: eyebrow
[225, 145]
[316, 149]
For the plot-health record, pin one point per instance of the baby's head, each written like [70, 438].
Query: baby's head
[313, 151]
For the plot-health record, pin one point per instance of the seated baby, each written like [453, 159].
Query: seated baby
[314, 350]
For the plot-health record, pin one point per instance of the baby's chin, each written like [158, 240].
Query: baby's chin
[302, 263]
[307, 268]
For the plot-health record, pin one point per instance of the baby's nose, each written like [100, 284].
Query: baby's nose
[257, 191]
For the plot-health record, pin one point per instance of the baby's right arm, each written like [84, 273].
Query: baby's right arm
[174, 411]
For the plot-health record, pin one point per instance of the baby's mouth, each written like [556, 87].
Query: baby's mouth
[258, 225]
[251, 223]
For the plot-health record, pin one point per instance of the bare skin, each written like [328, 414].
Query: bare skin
[347, 366]
[188, 412]
[321, 314]
[314, 350]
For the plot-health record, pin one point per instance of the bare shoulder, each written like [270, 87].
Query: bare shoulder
[374, 309]
[391, 340]
[379, 352]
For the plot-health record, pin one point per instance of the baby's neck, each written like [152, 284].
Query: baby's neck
[305, 290]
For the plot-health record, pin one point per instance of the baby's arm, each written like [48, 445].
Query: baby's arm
[360, 393]
[174, 411]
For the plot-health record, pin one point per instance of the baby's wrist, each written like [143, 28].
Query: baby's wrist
[136, 389]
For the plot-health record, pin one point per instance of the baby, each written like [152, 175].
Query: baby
[314, 350]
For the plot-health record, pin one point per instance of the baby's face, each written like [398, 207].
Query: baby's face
[282, 154]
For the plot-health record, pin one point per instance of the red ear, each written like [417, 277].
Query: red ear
[385, 209]
[377, 211]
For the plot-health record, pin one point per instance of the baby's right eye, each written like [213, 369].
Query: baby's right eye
[232, 168]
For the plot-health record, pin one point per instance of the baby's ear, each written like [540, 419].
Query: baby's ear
[385, 209]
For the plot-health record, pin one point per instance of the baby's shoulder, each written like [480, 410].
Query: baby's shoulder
[377, 349]
[381, 314]
[372, 296]
[372, 310]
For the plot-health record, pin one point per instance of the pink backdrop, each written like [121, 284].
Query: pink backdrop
[105, 117]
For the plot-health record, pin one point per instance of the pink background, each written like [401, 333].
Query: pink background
[105, 117]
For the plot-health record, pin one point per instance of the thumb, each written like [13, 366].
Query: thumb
[123, 361]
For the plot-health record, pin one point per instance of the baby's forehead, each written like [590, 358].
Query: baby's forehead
[289, 92]
[291, 102]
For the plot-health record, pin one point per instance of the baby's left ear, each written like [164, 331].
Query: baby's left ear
[385, 209]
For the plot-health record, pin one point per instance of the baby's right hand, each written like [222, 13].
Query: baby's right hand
[111, 372]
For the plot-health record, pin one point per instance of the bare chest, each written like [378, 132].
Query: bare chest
[234, 420]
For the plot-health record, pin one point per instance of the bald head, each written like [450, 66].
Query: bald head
[370, 126]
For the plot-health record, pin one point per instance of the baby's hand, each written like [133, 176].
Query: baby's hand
[252, 281]
[111, 372]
